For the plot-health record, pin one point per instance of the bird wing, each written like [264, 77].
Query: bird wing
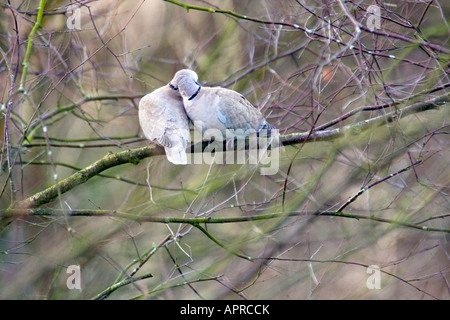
[163, 119]
[235, 111]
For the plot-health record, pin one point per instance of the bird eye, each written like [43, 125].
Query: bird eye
[173, 87]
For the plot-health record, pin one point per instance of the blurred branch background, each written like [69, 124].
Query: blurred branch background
[70, 81]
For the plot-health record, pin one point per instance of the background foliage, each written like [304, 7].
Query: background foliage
[341, 201]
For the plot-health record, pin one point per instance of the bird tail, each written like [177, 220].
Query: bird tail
[176, 155]
[266, 128]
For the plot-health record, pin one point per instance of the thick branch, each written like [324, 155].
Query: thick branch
[108, 161]
[135, 155]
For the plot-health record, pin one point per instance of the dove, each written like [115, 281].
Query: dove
[216, 107]
[163, 119]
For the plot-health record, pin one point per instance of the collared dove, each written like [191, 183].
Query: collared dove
[163, 119]
[215, 107]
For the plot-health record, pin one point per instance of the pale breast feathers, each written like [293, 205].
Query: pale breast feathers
[163, 119]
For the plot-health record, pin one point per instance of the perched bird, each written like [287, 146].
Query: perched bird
[163, 119]
[215, 107]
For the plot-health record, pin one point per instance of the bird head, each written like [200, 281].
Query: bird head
[186, 82]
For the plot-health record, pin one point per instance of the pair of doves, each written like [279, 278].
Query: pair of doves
[164, 113]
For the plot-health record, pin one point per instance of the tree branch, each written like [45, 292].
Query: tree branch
[187, 7]
[36, 26]
[325, 135]
[108, 161]
[196, 222]
[135, 155]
